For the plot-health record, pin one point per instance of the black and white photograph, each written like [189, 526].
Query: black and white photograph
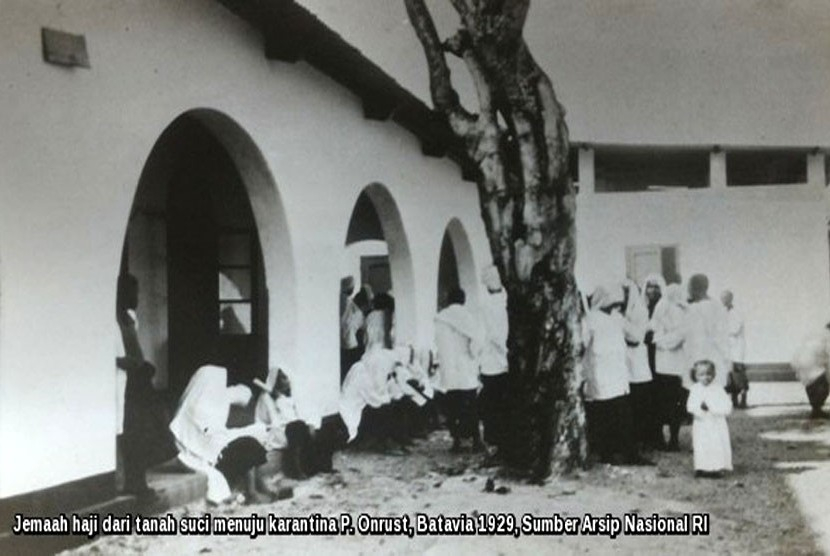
[414, 277]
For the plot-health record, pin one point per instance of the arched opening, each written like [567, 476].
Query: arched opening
[377, 255]
[456, 268]
[208, 244]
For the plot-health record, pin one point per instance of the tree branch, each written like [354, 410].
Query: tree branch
[443, 94]
[550, 116]
[515, 15]
[464, 9]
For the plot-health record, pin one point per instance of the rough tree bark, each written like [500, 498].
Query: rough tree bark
[519, 141]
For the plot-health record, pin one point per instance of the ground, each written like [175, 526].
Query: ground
[780, 477]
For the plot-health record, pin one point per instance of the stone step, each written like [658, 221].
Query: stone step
[770, 372]
[174, 485]
[13, 545]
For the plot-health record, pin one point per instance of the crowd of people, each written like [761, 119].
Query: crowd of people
[394, 394]
[242, 437]
[654, 357]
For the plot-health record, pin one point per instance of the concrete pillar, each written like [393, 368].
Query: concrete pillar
[587, 182]
[816, 169]
[717, 169]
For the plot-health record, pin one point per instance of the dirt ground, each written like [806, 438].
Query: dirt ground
[752, 511]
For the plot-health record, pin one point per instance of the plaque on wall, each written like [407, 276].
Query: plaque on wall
[64, 49]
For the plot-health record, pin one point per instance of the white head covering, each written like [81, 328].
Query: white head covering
[634, 301]
[238, 395]
[656, 279]
[674, 294]
[490, 278]
[660, 282]
[203, 410]
[606, 295]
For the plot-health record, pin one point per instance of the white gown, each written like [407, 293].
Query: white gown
[710, 433]
[459, 337]
[200, 426]
[708, 337]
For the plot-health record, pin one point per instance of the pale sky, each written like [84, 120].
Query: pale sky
[646, 71]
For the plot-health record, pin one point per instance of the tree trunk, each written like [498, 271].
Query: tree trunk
[519, 141]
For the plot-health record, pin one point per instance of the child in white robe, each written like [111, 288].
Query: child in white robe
[709, 404]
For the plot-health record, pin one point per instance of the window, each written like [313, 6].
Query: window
[642, 260]
[235, 275]
[765, 167]
[622, 169]
[375, 271]
[573, 163]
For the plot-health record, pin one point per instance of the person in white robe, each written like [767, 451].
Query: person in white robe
[709, 404]
[383, 375]
[352, 322]
[811, 363]
[669, 327]
[608, 407]
[368, 382]
[654, 286]
[275, 408]
[636, 358]
[708, 336]
[459, 338]
[291, 448]
[412, 395]
[201, 432]
[493, 399]
[737, 383]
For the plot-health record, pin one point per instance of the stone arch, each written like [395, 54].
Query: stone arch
[147, 232]
[400, 257]
[456, 236]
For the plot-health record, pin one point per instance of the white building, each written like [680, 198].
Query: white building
[257, 144]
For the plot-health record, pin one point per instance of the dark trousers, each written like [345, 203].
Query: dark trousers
[644, 413]
[380, 423]
[331, 437]
[671, 404]
[462, 414]
[298, 456]
[737, 384]
[240, 456]
[493, 408]
[146, 439]
[134, 461]
[818, 391]
[610, 429]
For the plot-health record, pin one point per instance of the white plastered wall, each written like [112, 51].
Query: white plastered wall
[768, 244]
[74, 143]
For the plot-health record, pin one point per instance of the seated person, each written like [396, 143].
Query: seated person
[382, 377]
[206, 444]
[812, 363]
[275, 409]
[412, 394]
[366, 396]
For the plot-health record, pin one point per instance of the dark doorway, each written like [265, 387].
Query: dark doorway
[217, 298]
[367, 254]
[447, 271]
[375, 271]
[194, 246]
